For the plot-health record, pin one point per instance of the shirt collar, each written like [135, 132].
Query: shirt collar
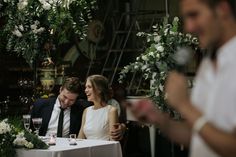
[58, 104]
[226, 52]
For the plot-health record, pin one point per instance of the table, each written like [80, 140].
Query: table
[84, 148]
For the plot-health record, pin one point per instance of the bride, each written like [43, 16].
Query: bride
[98, 120]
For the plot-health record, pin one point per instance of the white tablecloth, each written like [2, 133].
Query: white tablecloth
[84, 148]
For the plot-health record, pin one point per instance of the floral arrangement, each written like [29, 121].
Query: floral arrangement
[35, 27]
[159, 57]
[13, 136]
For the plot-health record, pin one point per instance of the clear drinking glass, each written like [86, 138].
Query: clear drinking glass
[72, 139]
[37, 122]
[26, 121]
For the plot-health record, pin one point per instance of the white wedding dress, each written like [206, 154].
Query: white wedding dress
[96, 124]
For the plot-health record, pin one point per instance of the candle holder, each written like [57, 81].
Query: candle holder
[52, 139]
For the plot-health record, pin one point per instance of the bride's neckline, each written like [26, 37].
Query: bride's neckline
[95, 109]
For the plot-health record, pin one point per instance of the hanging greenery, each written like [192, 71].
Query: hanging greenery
[35, 27]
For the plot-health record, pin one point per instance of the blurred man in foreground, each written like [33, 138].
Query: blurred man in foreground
[209, 127]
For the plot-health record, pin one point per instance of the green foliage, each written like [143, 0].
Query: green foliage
[30, 24]
[13, 135]
[38, 144]
[6, 148]
[158, 58]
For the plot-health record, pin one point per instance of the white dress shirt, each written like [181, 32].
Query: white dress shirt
[214, 95]
[53, 123]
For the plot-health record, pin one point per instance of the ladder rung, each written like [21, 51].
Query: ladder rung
[126, 50]
[124, 32]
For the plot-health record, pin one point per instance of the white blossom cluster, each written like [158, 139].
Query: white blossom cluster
[17, 32]
[22, 4]
[20, 140]
[49, 4]
[35, 29]
[4, 127]
[6, 1]
[12, 136]
[158, 58]
[29, 24]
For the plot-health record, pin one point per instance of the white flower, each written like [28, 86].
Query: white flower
[136, 67]
[157, 55]
[140, 34]
[148, 39]
[144, 57]
[145, 76]
[157, 38]
[20, 139]
[152, 81]
[40, 30]
[22, 4]
[33, 27]
[166, 31]
[4, 127]
[144, 67]
[46, 6]
[29, 145]
[173, 33]
[157, 92]
[159, 48]
[165, 97]
[6, 1]
[161, 87]
[176, 19]
[151, 54]
[180, 34]
[51, 2]
[21, 27]
[126, 69]
[154, 76]
[17, 33]
[154, 26]
[188, 35]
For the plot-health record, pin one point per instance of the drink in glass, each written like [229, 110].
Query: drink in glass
[26, 121]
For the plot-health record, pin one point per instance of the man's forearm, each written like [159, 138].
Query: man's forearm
[220, 141]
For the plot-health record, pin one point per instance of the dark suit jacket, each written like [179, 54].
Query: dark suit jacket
[44, 107]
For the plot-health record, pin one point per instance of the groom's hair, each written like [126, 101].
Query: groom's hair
[72, 84]
[213, 3]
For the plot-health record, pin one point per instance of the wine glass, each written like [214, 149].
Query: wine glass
[26, 120]
[37, 122]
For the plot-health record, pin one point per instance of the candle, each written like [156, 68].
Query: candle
[52, 141]
[73, 142]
